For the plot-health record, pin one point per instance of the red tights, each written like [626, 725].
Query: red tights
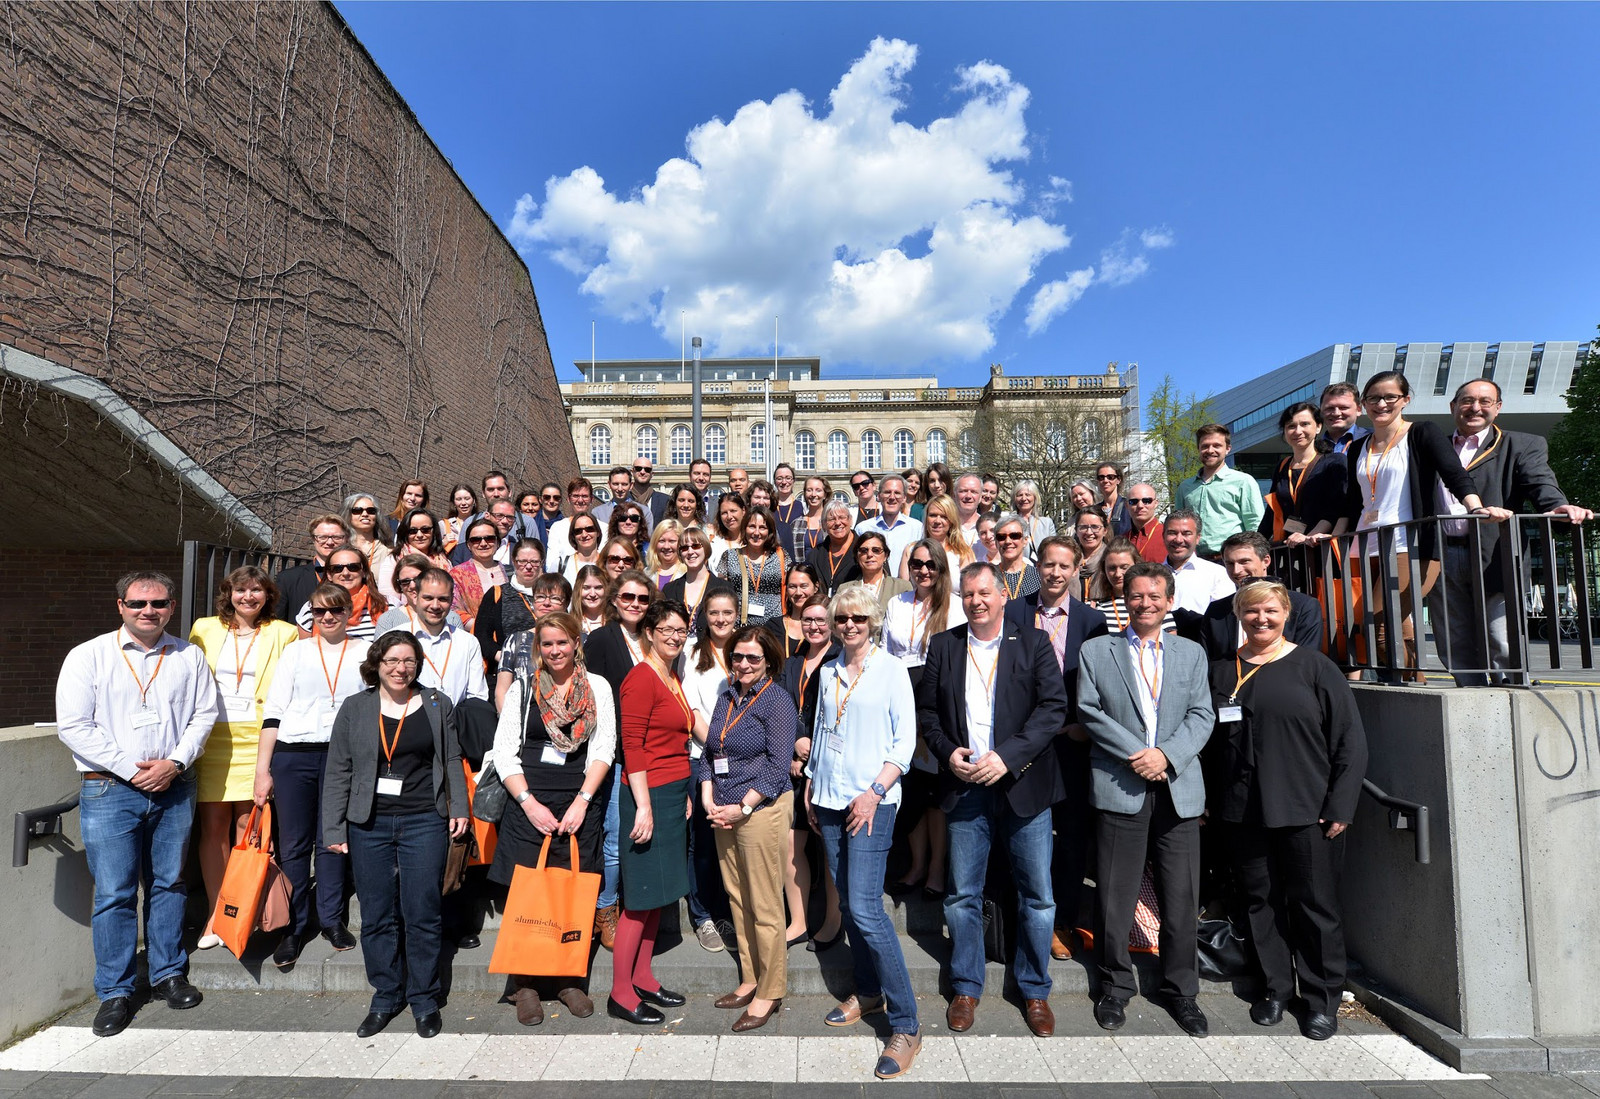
[630, 956]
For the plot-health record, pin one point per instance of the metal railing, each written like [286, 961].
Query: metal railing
[1544, 578]
[1404, 816]
[31, 824]
[204, 567]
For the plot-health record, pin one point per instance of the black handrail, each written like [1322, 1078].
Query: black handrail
[32, 824]
[1398, 808]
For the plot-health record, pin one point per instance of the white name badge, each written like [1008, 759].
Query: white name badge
[696, 749]
[552, 757]
[834, 741]
[757, 609]
[1227, 714]
[144, 719]
[389, 787]
[239, 707]
[720, 765]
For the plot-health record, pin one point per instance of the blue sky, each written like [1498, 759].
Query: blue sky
[1208, 190]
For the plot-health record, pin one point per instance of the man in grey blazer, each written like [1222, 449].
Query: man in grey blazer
[1145, 699]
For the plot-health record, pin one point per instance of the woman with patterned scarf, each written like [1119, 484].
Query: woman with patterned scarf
[553, 749]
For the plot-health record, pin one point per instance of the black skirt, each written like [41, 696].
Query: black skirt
[517, 841]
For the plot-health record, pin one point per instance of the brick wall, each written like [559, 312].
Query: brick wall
[226, 213]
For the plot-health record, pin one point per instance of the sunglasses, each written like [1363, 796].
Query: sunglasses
[1141, 499]
[851, 619]
[921, 564]
[141, 604]
[554, 498]
[627, 519]
[483, 539]
[345, 566]
[363, 511]
[644, 469]
[420, 530]
[408, 582]
[874, 550]
[584, 530]
[859, 485]
[1012, 536]
[633, 599]
[336, 612]
[1107, 477]
[746, 658]
[619, 559]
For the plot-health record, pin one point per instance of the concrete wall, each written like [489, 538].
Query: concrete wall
[46, 953]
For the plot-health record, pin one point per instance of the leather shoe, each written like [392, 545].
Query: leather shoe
[747, 1021]
[1041, 1020]
[577, 1001]
[113, 1017]
[1319, 1028]
[1187, 1014]
[468, 941]
[1059, 950]
[1268, 1012]
[1110, 1012]
[339, 937]
[374, 1022]
[178, 992]
[429, 1025]
[605, 925]
[530, 1012]
[850, 1011]
[661, 997]
[645, 1016]
[288, 951]
[959, 1016]
[730, 1000]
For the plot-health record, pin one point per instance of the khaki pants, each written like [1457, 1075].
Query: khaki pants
[754, 855]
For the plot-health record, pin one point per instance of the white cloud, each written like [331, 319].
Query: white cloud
[872, 239]
[1159, 237]
[1054, 298]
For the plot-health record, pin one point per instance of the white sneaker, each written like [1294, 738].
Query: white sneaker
[208, 940]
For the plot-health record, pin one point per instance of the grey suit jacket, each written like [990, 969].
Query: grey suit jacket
[349, 785]
[1108, 706]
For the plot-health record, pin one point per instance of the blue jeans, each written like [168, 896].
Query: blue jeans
[129, 836]
[978, 813]
[858, 864]
[611, 873]
[297, 797]
[398, 865]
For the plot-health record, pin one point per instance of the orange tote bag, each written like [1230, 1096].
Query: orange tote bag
[244, 883]
[483, 831]
[548, 926]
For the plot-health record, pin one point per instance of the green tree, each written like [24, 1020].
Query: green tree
[1171, 418]
[1575, 442]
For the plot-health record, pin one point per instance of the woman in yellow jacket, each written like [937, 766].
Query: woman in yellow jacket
[242, 643]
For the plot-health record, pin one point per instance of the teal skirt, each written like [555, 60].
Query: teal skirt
[655, 874]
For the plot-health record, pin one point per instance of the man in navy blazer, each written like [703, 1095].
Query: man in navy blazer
[990, 705]
[1246, 556]
[1068, 623]
[1145, 698]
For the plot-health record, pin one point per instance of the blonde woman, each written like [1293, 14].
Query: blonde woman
[941, 523]
[662, 558]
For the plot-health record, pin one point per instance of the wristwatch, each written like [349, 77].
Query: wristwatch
[178, 763]
[746, 809]
[585, 795]
[524, 796]
[878, 788]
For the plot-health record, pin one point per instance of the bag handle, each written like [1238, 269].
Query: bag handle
[544, 851]
[258, 828]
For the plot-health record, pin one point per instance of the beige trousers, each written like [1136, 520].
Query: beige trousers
[754, 855]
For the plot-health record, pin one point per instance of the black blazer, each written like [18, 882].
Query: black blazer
[1083, 622]
[1433, 459]
[677, 586]
[1030, 708]
[1217, 630]
[607, 655]
[848, 569]
[350, 781]
[295, 585]
[1511, 470]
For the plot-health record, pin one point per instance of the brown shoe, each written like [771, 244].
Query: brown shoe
[728, 1001]
[605, 925]
[577, 1001]
[1041, 1020]
[530, 1012]
[961, 1012]
[1059, 950]
[747, 1021]
[898, 1055]
[850, 1012]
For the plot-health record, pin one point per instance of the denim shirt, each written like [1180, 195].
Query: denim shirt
[880, 726]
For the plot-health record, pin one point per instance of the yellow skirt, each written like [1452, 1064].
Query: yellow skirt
[227, 769]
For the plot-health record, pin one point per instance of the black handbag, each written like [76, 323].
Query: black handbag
[489, 803]
[1224, 952]
[994, 932]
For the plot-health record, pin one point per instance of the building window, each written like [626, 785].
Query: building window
[905, 449]
[647, 444]
[838, 450]
[936, 445]
[1055, 442]
[805, 451]
[1091, 440]
[682, 452]
[1530, 384]
[716, 449]
[1021, 441]
[871, 450]
[967, 446]
[758, 443]
[599, 445]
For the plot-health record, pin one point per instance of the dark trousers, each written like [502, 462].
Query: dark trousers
[297, 798]
[398, 865]
[707, 898]
[1290, 878]
[1124, 842]
[1073, 822]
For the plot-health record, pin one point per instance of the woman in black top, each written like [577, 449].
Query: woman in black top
[835, 559]
[697, 581]
[508, 608]
[553, 749]
[393, 781]
[1306, 503]
[800, 679]
[1284, 772]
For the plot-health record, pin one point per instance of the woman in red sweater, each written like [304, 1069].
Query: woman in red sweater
[656, 723]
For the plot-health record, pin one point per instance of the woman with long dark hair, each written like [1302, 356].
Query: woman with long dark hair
[412, 495]
[755, 570]
[419, 533]
[479, 573]
[347, 567]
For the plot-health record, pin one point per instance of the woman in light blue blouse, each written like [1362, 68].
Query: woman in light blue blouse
[865, 732]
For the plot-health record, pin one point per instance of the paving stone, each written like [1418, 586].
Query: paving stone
[771, 1059]
[120, 1053]
[1251, 1090]
[673, 1057]
[1123, 1090]
[1411, 1062]
[1252, 1057]
[441, 1057]
[276, 1054]
[346, 1056]
[511, 1057]
[396, 1089]
[11, 1080]
[123, 1087]
[61, 1085]
[1329, 1089]
[1531, 1085]
[1085, 1060]
[1004, 1060]
[701, 1089]
[1183, 1091]
[840, 1059]
[1339, 1058]
[607, 1059]
[197, 1052]
[44, 1050]
[200, 1085]
[1166, 1059]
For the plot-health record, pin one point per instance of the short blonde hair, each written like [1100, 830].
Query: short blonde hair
[663, 527]
[1259, 591]
[854, 598]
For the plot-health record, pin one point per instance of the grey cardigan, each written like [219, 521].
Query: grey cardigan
[349, 785]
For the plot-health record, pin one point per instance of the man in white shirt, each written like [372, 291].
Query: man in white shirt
[452, 658]
[135, 707]
[580, 494]
[1200, 582]
[898, 529]
[969, 497]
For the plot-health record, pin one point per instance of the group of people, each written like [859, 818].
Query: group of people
[707, 688]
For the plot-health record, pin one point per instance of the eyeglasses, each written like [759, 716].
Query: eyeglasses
[746, 658]
[408, 582]
[633, 599]
[1010, 536]
[344, 566]
[400, 663]
[141, 604]
[363, 511]
[327, 539]
[1141, 499]
[1383, 398]
[483, 539]
[1476, 402]
[851, 619]
[619, 559]
[336, 612]
[813, 623]
[922, 564]
[670, 632]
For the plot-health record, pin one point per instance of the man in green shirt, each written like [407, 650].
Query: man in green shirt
[1226, 500]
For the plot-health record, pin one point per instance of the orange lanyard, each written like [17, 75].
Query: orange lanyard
[987, 681]
[1117, 609]
[1041, 618]
[1241, 677]
[633, 646]
[1021, 575]
[388, 748]
[927, 609]
[1373, 468]
[834, 559]
[339, 667]
[144, 688]
[525, 603]
[677, 693]
[1142, 538]
[1152, 683]
[694, 608]
[733, 719]
[438, 671]
[842, 704]
[1294, 485]
[238, 662]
